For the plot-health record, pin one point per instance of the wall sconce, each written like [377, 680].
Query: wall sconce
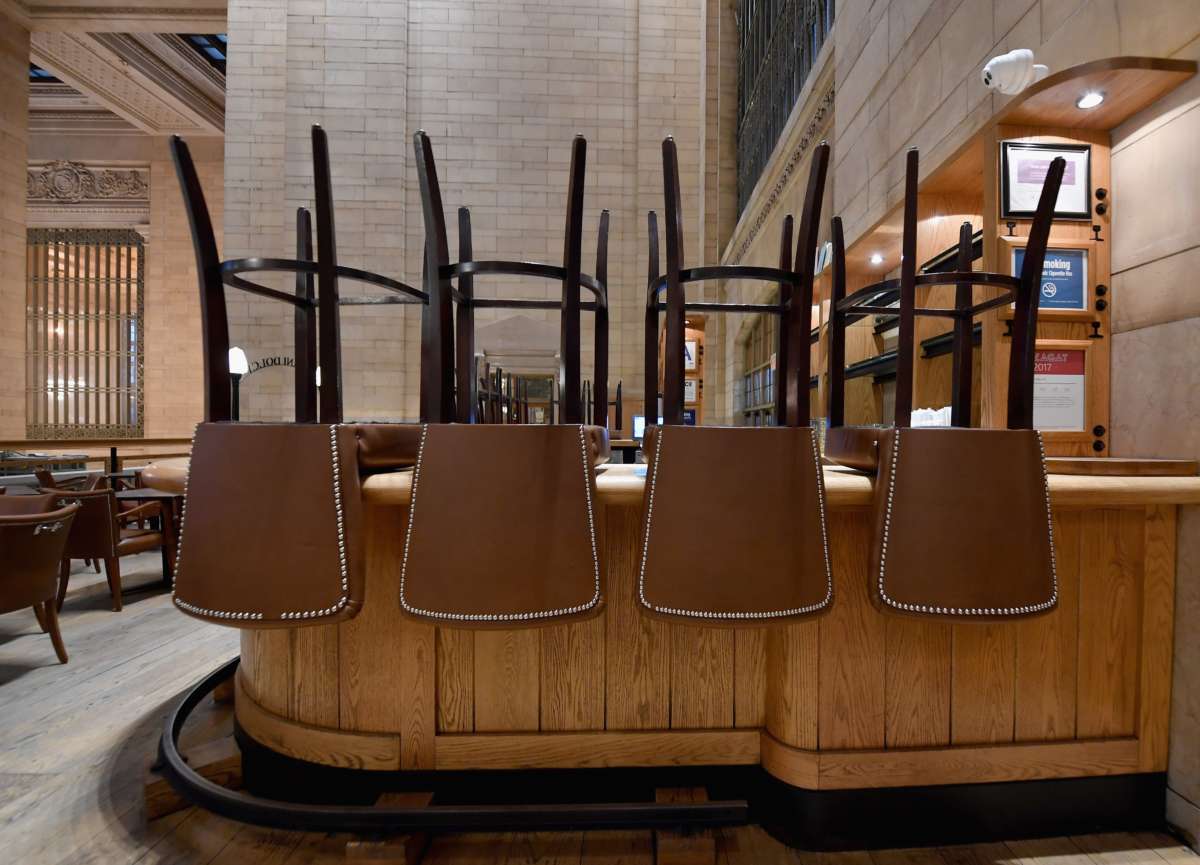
[238, 367]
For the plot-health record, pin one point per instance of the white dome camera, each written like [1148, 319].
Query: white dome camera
[1012, 72]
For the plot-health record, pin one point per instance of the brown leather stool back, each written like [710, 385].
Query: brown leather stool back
[503, 526]
[32, 545]
[962, 516]
[734, 519]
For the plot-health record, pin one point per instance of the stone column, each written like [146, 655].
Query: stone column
[14, 145]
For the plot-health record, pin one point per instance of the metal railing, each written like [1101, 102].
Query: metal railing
[778, 42]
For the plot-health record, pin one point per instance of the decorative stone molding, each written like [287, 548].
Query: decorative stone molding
[61, 194]
[72, 182]
[821, 115]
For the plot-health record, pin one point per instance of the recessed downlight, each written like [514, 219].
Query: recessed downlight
[1089, 100]
[876, 258]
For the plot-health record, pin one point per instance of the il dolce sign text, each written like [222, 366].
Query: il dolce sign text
[267, 362]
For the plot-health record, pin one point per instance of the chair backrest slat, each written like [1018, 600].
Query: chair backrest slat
[464, 322]
[650, 354]
[437, 338]
[837, 325]
[673, 368]
[964, 354]
[600, 334]
[330, 345]
[783, 330]
[569, 373]
[799, 313]
[305, 325]
[908, 293]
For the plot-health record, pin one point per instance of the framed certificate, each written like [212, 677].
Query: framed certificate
[691, 354]
[1066, 288]
[691, 390]
[1023, 167]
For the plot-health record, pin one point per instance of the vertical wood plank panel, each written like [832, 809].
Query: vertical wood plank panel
[572, 668]
[983, 683]
[506, 681]
[417, 685]
[1158, 632]
[369, 649]
[750, 677]
[637, 689]
[455, 680]
[1046, 648]
[852, 644]
[918, 683]
[315, 674]
[267, 669]
[701, 677]
[1109, 622]
[792, 690]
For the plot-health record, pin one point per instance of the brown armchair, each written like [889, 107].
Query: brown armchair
[100, 532]
[33, 536]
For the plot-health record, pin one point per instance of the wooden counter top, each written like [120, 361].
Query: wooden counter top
[623, 485]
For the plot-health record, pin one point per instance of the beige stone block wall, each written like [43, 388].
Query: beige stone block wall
[173, 360]
[1156, 362]
[14, 126]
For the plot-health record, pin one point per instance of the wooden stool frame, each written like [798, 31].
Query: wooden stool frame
[794, 277]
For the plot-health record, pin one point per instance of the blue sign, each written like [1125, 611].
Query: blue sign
[1064, 278]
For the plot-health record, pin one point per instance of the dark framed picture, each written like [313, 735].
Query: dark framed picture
[1023, 167]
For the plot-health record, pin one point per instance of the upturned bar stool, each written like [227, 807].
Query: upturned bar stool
[273, 528]
[717, 549]
[962, 516]
[482, 494]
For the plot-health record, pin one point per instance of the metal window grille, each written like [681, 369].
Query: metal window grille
[778, 43]
[83, 341]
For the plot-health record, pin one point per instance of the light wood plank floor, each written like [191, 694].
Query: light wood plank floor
[75, 740]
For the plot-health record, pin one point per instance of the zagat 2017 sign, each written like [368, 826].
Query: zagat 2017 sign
[267, 362]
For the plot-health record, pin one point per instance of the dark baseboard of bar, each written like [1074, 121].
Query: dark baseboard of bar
[960, 813]
[805, 819]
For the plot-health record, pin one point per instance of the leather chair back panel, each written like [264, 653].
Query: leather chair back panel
[734, 526]
[31, 548]
[962, 524]
[11, 506]
[95, 533]
[272, 533]
[503, 529]
[855, 447]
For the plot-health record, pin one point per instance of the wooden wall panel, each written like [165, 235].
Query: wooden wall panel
[853, 644]
[701, 677]
[750, 677]
[918, 683]
[792, 683]
[507, 680]
[1158, 631]
[983, 683]
[455, 680]
[1047, 647]
[369, 649]
[315, 675]
[1112, 548]
[572, 668]
[637, 647]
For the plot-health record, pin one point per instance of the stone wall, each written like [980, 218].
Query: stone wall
[14, 125]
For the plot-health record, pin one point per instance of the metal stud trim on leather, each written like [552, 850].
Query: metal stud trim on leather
[730, 615]
[1027, 609]
[252, 615]
[501, 617]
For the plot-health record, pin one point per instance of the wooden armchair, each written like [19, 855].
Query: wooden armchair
[101, 531]
[32, 535]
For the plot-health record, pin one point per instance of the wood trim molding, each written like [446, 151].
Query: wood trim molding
[915, 767]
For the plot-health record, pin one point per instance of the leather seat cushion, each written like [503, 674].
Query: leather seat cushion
[272, 531]
[138, 540]
[855, 447]
[734, 526]
[962, 525]
[503, 528]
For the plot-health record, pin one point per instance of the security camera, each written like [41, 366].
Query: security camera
[1012, 72]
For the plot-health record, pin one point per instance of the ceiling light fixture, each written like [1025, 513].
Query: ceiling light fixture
[876, 258]
[1089, 100]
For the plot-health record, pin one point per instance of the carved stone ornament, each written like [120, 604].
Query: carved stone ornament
[72, 182]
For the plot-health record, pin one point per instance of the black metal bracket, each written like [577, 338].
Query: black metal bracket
[435, 818]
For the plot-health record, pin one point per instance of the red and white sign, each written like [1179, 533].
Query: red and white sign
[1059, 389]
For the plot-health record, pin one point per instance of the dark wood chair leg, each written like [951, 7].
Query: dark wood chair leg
[112, 570]
[55, 633]
[64, 575]
[41, 617]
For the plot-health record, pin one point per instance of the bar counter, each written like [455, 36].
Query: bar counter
[855, 699]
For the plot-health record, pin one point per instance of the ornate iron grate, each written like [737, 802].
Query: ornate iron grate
[778, 43]
[83, 339]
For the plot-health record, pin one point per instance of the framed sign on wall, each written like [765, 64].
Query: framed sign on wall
[1023, 167]
[1067, 286]
[1064, 389]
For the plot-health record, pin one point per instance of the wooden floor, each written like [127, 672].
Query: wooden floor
[75, 741]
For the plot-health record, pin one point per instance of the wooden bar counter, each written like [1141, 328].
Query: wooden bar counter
[855, 699]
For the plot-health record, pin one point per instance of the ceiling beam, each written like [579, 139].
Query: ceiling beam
[118, 16]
